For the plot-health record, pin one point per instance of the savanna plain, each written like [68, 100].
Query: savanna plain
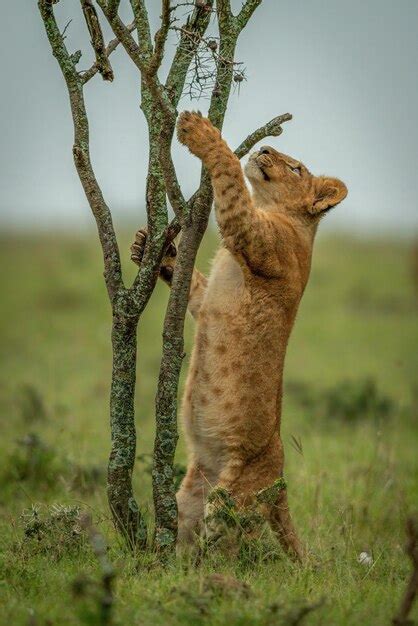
[349, 427]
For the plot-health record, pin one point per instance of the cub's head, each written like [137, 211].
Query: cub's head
[278, 180]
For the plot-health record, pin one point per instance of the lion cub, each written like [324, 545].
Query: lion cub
[245, 311]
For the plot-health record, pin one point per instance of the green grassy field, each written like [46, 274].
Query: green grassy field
[351, 461]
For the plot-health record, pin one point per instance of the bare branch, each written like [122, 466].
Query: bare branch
[135, 52]
[173, 229]
[142, 27]
[246, 12]
[229, 33]
[101, 212]
[111, 47]
[223, 8]
[124, 36]
[160, 38]
[172, 185]
[204, 66]
[271, 129]
[230, 28]
[113, 7]
[196, 24]
[190, 37]
[65, 28]
[97, 41]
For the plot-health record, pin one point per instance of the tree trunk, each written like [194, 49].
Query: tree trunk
[166, 435]
[125, 511]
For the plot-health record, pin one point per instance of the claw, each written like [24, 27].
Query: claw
[137, 248]
[171, 250]
[141, 236]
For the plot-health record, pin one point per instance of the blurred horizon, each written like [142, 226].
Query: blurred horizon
[344, 70]
[79, 230]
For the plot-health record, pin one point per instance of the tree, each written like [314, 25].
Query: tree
[199, 64]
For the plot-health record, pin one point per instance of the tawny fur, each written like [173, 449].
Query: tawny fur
[244, 313]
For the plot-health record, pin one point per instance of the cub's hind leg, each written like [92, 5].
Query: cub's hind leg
[191, 498]
[276, 510]
[256, 484]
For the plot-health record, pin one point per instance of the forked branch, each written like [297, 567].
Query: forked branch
[97, 41]
[190, 37]
[139, 53]
[111, 47]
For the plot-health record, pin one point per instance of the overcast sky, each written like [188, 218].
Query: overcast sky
[347, 71]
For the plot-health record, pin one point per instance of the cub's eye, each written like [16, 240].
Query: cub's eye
[295, 170]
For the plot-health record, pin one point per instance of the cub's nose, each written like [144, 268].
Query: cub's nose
[265, 150]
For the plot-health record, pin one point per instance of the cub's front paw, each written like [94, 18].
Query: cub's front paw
[196, 132]
[138, 246]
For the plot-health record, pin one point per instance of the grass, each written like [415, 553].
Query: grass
[351, 465]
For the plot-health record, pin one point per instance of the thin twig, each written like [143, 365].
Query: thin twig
[111, 47]
[101, 212]
[97, 41]
[246, 12]
[135, 52]
[203, 73]
[160, 38]
[196, 24]
[230, 28]
[190, 36]
[172, 185]
[271, 129]
[142, 25]
[65, 29]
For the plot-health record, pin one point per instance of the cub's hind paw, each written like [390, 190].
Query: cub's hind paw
[138, 246]
[196, 132]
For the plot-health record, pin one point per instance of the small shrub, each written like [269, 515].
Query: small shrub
[34, 461]
[353, 400]
[53, 530]
[39, 464]
[348, 400]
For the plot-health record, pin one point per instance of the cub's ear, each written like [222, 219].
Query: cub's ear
[328, 193]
